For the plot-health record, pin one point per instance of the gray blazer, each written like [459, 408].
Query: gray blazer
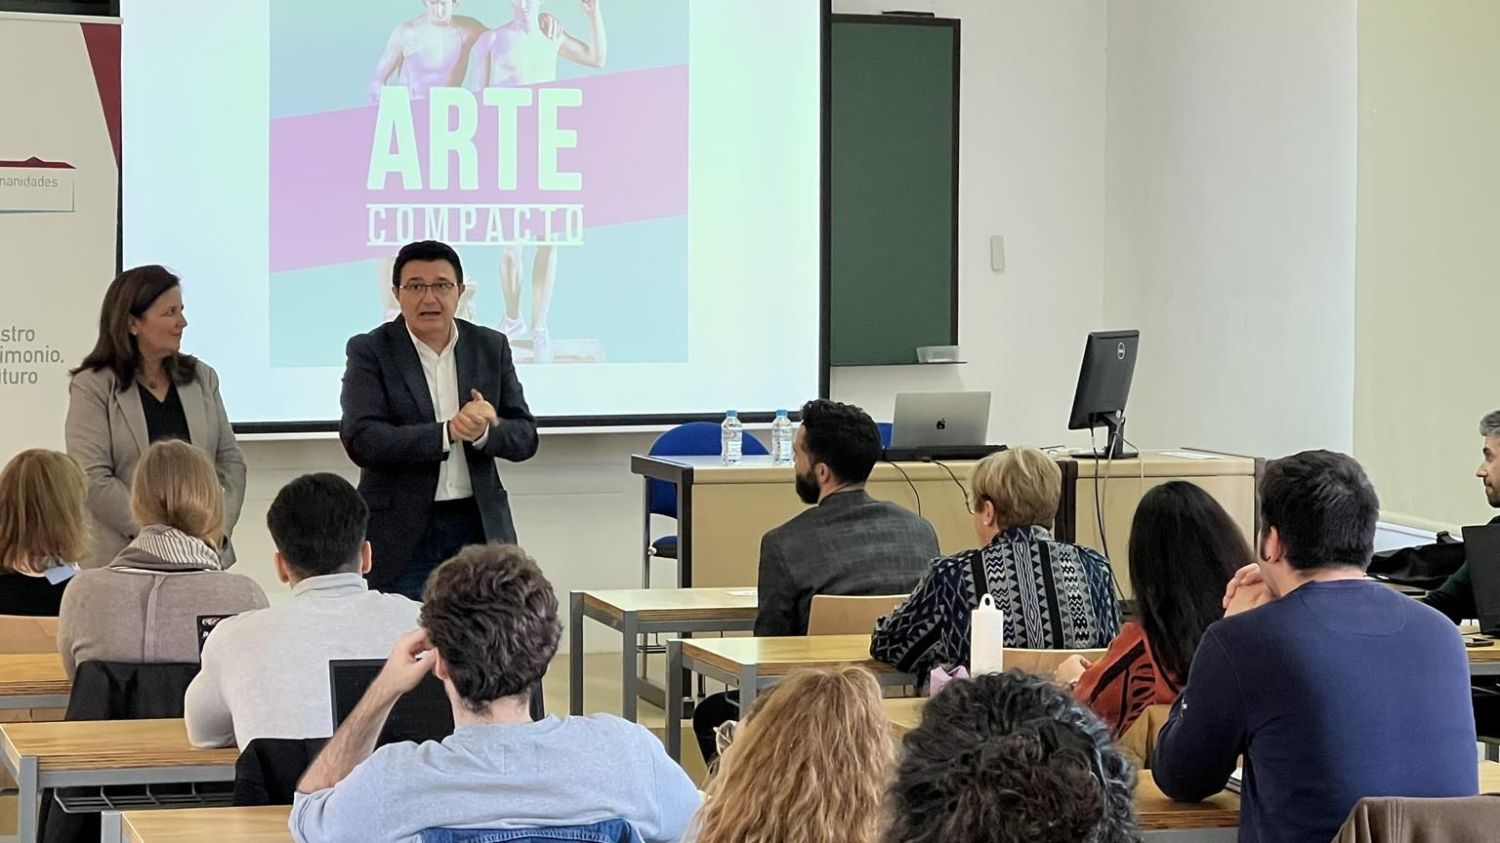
[106, 433]
[850, 544]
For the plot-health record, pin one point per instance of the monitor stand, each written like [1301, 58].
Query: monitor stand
[1114, 448]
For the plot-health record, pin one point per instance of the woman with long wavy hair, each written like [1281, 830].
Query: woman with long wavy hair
[810, 764]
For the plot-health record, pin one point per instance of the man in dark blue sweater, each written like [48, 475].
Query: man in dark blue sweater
[1331, 687]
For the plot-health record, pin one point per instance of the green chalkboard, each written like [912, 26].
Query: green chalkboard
[892, 187]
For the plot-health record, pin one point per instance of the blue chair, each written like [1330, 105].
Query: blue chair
[694, 439]
[605, 831]
[885, 429]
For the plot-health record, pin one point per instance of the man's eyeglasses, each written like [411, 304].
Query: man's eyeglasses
[442, 288]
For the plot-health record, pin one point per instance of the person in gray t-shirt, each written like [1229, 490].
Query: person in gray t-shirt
[489, 630]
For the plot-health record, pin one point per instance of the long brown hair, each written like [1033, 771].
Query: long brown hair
[811, 764]
[42, 497]
[175, 484]
[129, 296]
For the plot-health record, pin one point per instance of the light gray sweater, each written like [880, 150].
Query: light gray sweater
[152, 603]
[570, 771]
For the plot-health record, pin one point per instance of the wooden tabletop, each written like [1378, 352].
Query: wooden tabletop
[1488, 654]
[778, 656]
[267, 824]
[760, 469]
[104, 745]
[675, 604]
[904, 713]
[1155, 812]
[32, 674]
[1168, 464]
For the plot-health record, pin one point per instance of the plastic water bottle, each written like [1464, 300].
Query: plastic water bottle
[733, 438]
[781, 439]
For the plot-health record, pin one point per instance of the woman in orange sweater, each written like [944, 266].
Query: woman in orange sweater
[1184, 548]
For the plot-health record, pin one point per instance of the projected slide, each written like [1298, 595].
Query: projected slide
[632, 185]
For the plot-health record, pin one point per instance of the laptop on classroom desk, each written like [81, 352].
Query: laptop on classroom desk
[422, 714]
[936, 426]
[1482, 552]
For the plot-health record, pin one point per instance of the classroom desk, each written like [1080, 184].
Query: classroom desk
[754, 663]
[724, 510]
[33, 680]
[100, 754]
[1484, 661]
[636, 612]
[263, 824]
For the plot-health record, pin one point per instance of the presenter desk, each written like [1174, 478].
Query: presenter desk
[724, 510]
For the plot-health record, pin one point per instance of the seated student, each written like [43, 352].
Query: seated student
[1010, 756]
[163, 592]
[1330, 686]
[489, 630]
[811, 763]
[1455, 597]
[848, 544]
[1055, 595]
[1184, 549]
[265, 673]
[43, 533]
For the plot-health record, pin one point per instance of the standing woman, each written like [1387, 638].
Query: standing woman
[137, 387]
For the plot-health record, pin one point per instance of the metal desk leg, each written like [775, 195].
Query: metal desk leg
[111, 827]
[749, 687]
[646, 554]
[630, 639]
[575, 653]
[674, 700]
[28, 803]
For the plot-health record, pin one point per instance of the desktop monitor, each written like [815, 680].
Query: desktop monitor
[1103, 386]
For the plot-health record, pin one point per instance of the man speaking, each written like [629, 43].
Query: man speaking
[429, 402]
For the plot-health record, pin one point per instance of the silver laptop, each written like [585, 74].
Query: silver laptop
[940, 419]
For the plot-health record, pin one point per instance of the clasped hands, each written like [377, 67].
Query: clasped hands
[474, 419]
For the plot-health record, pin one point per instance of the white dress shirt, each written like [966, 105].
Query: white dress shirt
[441, 371]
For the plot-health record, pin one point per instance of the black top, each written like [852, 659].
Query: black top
[31, 596]
[164, 419]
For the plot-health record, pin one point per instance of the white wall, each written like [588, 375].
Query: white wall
[1230, 212]
[1032, 148]
[1427, 252]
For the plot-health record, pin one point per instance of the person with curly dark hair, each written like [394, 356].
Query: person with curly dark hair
[1010, 757]
[489, 630]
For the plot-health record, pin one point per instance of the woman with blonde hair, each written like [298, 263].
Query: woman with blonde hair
[43, 534]
[810, 764]
[166, 590]
[1055, 595]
